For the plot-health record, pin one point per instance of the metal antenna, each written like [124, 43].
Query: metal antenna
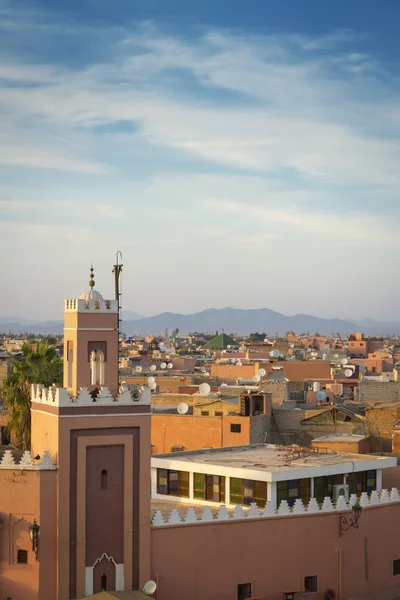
[117, 273]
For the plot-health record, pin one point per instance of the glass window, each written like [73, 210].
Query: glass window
[22, 557]
[236, 428]
[293, 489]
[247, 491]
[173, 483]
[205, 413]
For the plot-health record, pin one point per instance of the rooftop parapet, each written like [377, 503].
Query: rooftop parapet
[190, 516]
[60, 397]
[14, 460]
[90, 306]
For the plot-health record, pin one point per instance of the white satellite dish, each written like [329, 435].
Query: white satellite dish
[348, 372]
[324, 357]
[150, 380]
[228, 346]
[336, 356]
[344, 361]
[206, 374]
[170, 366]
[256, 378]
[204, 389]
[224, 385]
[238, 364]
[308, 349]
[138, 369]
[321, 396]
[149, 587]
[153, 385]
[276, 353]
[390, 356]
[163, 365]
[292, 345]
[272, 353]
[153, 368]
[182, 408]
[203, 369]
[262, 372]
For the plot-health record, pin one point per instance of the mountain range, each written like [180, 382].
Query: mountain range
[232, 320]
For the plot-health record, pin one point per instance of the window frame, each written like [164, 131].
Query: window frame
[395, 562]
[22, 552]
[313, 579]
[236, 428]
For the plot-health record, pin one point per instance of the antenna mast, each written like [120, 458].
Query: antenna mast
[117, 274]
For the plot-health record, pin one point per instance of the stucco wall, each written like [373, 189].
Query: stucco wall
[274, 555]
[195, 432]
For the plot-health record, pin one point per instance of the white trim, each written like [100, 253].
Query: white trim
[264, 475]
[119, 575]
[378, 480]
[90, 329]
[92, 415]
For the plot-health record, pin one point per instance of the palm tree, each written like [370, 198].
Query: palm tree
[39, 363]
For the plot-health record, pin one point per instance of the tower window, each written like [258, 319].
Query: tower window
[103, 583]
[22, 557]
[104, 480]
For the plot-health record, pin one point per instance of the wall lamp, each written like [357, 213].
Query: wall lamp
[346, 524]
[34, 537]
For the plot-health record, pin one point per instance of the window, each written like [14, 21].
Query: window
[209, 487]
[396, 567]
[323, 486]
[103, 483]
[247, 491]
[219, 413]
[311, 583]
[365, 481]
[173, 483]
[236, 428]
[103, 583]
[292, 490]
[205, 413]
[22, 557]
[243, 591]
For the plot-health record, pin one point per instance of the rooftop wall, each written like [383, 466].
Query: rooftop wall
[56, 396]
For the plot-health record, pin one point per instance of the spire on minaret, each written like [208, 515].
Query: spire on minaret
[91, 280]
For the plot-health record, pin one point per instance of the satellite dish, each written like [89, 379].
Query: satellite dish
[256, 378]
[153, 385]
[336, 356]
[224, 385]
[150, 380]
[203, 369]
[182, 408]
[149, 588]
[262, 372]
[292, 345]
[276, 353]
[348, 372]
[321, 396]
[238, 364]
[138, 369]
[324, 357]
[163, 365]
[272, 353]
[390, 356]
[206, 374]
[308, 349]
[344, 361]
[153, 368]
[204, 389]
[169, 366]
[228, 346]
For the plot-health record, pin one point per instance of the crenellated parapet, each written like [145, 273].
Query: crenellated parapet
[12, 460]
[128, 395]
[192, 516]
[89, 306]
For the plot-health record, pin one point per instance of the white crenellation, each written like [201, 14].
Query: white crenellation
[238, 514]
[26, 462]
[128, 395]
[89, 306]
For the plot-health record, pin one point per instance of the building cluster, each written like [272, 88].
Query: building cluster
[214, 467]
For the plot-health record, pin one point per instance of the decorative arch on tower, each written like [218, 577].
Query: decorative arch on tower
[97, 367]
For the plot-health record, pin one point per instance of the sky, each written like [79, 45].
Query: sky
[239, 154]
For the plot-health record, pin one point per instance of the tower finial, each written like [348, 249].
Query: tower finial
[91, 280]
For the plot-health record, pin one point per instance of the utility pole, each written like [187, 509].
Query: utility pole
[117, 274]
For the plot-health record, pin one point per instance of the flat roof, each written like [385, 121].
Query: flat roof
[341, 437]
[267, 462]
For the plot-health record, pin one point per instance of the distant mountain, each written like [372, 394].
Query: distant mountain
[233, 320]
[241, 321]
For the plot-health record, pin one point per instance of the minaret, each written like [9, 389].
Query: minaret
[91, 341]
[98, 434]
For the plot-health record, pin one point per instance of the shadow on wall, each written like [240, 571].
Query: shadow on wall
[13, 589]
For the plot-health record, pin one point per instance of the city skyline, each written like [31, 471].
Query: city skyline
[244, 159]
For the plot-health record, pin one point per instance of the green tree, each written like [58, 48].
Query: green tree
[257, 337]
[38, 363]
[175, 333]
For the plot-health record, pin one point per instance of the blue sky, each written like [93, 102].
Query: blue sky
[246, 156]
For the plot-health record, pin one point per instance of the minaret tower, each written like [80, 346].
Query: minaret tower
[98, 434]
